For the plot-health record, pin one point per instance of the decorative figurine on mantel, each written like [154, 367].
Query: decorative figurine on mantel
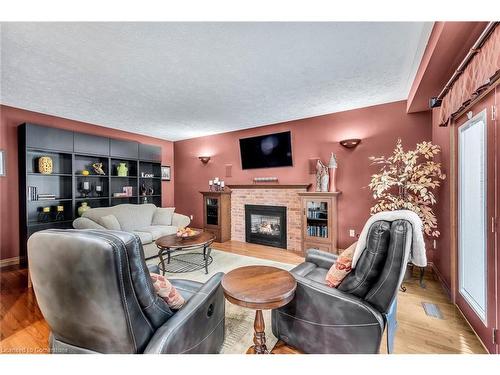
[98, 168]
[332, 167]
[322, 178]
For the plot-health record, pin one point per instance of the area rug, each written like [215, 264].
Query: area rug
[239, 320]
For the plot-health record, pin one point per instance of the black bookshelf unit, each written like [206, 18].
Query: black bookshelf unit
[71, 154]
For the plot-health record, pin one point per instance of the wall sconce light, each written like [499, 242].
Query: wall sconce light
[204, 159]
[350, 143]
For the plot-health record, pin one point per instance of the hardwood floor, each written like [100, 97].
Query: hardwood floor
[23, 329]
[259, 251]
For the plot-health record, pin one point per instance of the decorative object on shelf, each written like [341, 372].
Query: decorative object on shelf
[332, 168]
[122, 169]
[322, 177]
[350, 143]
[98, 190]
[2, 163]
[44, 215]
[150, 191]
[119, 195]
[216, 185]
[60, 213]
[406, 182]
[98, 168]
[128, 190]
[165, 173]
[204, 159]
[45, 165]
[257, 180]
[147, 175]
[83, 207]
[143, 189]
[85, 189]
[85, 172]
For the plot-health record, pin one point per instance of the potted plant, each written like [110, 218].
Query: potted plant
[407, 180]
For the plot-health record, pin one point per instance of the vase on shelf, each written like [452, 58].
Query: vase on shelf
[122, 170]
[325, 179]
[45, 165]
[332, 170]
[84, 207]
[322, 177]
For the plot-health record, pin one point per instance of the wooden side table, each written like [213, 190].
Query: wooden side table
[259, 288]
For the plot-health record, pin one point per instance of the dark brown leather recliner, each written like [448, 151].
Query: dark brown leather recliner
[95, 292]
[352, 317]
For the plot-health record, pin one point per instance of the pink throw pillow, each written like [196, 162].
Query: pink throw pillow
[341, 268]
[167, 291]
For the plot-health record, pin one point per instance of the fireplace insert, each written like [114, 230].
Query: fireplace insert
[266, 225]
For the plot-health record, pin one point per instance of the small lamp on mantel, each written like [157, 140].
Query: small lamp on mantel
[350, 143]
[204, 159]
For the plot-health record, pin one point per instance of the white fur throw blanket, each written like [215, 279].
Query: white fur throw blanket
[417, 245]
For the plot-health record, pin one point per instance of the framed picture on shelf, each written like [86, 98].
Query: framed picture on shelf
[128, 190]
[2, 164]
[165, 173]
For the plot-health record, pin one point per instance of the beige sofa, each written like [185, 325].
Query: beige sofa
[145, 220]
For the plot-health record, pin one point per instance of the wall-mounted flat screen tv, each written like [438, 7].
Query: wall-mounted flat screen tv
[266, 151]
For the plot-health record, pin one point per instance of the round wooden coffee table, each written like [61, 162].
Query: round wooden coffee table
[259, 288]
[187, 261]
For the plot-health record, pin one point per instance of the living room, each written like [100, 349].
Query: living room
[246, 188]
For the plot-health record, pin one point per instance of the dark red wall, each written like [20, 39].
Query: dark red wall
[10, 119]
[378, 127]
[442, 255]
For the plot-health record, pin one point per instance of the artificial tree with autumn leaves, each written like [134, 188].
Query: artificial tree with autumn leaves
[407, 181]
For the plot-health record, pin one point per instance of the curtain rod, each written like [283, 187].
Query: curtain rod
[475, 48]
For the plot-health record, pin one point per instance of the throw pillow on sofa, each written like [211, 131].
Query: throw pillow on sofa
[167, 291]
[341, 268]
[163, 216]
[110, 222]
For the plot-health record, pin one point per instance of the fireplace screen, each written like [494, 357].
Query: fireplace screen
[266, 225]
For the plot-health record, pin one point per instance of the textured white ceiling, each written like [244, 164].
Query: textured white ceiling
[183, 80]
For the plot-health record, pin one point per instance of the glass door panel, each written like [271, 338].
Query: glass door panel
[472, 198]
[212, 210]
[317, 217]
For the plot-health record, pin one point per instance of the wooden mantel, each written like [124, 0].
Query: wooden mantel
[269, 186]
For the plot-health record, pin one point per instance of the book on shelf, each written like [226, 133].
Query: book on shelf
[32, 193]
[317, 231]
[46, 197]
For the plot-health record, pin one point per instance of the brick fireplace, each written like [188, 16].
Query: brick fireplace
[268, 195]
